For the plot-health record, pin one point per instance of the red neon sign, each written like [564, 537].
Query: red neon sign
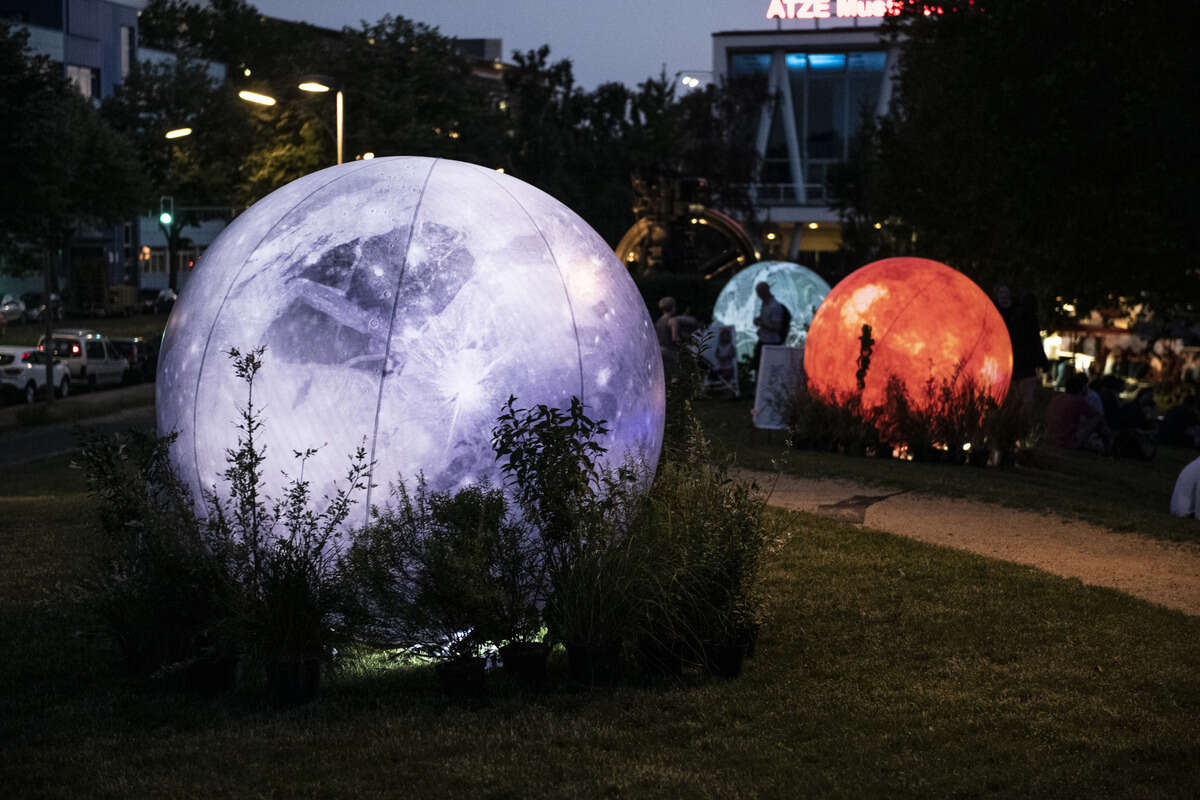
[826, 9]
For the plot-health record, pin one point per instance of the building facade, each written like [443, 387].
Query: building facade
[820, 81]
[96, 41]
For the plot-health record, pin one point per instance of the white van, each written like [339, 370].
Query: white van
[90, 358]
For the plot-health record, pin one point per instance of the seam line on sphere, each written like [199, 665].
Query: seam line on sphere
[221, 308]
[387, 352]
[561, 278]
[983, 331]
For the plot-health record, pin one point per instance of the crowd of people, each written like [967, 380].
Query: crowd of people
[1086, 415]
[675, 328]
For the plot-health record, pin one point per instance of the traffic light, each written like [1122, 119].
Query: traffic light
[166, 209]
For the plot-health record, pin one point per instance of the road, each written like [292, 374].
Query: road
[22, 445]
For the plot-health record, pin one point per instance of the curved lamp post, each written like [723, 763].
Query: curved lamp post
[319, 84]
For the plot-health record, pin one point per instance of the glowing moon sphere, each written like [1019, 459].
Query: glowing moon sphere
[799, 288]
[926, 320]
[401, 301]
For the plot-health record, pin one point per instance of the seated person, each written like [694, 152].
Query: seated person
[1181, 424]
[1071, 422]
[1185, 500]
[726, 354]
[1136, 437]
[1092, 395]
[1110, 398]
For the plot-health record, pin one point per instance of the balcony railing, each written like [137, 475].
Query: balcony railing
[785, 194]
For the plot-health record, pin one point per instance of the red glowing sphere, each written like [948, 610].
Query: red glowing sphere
[927, 320]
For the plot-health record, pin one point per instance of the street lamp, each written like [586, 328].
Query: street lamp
[255, 97]
[694, 79]
[178, 133]
[319, 84]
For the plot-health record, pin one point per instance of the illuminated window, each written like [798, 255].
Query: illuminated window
[158, 260]
[86, 80]
[746, 64]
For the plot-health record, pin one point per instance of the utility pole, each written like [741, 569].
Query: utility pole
[48, 321]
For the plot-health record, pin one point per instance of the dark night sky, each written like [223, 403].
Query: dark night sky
[607, 40]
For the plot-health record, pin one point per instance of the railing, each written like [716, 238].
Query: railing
[785, 194]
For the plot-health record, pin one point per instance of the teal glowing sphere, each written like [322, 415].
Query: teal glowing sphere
[798, 288]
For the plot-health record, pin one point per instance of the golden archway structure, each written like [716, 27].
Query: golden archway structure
[678, 232]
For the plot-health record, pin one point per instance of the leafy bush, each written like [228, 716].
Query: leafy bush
[156, 587]
[954, 419]
[444, 574]
[241, 574]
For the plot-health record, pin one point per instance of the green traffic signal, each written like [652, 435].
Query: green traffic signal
[164, 218]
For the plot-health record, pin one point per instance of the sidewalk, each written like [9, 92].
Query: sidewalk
[1162, 572]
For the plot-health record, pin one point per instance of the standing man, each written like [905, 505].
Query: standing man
[770, 321]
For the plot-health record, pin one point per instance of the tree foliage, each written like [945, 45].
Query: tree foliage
[409, 91]
[1041, 144]
[65, 168]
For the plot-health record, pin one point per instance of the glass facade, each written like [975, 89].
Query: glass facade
[830, 93]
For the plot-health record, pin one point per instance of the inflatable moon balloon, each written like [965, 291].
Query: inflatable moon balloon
[401, 301]
[799, 289]
[927, 320]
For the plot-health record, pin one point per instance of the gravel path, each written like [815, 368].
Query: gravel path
[1162, 572]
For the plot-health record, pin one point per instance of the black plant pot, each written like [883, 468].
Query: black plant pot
[525, 663]
[724, 659]
[660, 657]
[291, 682]
[463, 677]
[594, 664]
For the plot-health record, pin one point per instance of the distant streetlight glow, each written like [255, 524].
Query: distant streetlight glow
[255, 97]
[313, 86]
[179, 133]
[368, 156]
[813, 226]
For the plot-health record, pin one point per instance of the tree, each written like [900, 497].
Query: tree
[1046, 145]
[64, 167]
[203, 171]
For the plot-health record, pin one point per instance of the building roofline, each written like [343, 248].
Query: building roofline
[800, 31]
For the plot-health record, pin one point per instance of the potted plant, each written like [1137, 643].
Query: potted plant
[721, 537]
[589, 610]
[580, 513]
[156, 587]
[514, 621]
[424, 571]
[282, 555]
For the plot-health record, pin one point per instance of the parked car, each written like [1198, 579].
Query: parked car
[142, 355]
[35, 306]
[23, 374]
[90, 357]
[12, 309]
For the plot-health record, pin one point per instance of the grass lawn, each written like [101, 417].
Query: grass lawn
[889, 668]
[1119, 494]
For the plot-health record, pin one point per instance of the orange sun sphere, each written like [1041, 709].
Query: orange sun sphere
[926, 320]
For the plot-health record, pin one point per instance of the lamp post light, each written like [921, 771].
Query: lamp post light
[255, 97]
[178, 133]
[694, 78]
[319, 84]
